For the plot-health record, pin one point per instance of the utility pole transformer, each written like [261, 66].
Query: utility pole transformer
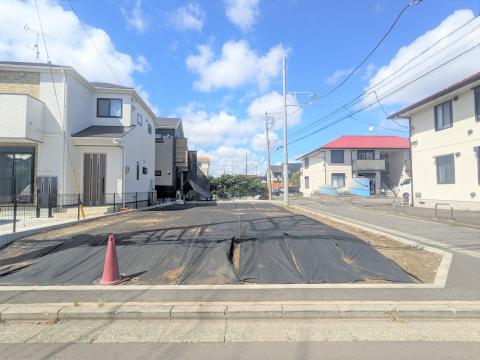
[285, 121]
[267, 149]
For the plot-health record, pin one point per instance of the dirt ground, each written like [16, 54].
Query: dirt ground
[421, 263]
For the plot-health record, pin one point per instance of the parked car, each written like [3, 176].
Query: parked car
[276, 192]
[404, 190]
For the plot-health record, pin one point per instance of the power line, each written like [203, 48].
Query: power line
[389, 30]
[375, 86]
[388, 94]
[93, 42]
[60, 114]
[378, 126]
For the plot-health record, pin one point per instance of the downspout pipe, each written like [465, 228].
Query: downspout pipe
[411, 160]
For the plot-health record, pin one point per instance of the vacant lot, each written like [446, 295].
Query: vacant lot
[227, 243]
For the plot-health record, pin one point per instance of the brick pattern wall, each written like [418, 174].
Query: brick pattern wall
[17, 82]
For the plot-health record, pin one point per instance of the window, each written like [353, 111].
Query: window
[445, 169]
[443, 116]
[109, 108]
[337, 156]
[138, 170]
[139, 119]
[306, 163]
[338, 180]
[307, 182]
[365, 154]
[158, 172]
[149, 128]
[477, 103]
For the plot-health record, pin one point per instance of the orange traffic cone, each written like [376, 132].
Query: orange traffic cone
[111, 274]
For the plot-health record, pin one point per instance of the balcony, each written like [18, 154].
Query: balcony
[369, 165]
[21, 118]
[181, 154]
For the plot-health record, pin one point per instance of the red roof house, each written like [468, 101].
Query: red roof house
[365, 142]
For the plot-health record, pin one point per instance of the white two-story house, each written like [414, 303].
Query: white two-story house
[383, 160]
[61, 134]
[445, 137]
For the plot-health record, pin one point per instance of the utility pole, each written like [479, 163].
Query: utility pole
[246, 163]
[285, 121]
[267, 148]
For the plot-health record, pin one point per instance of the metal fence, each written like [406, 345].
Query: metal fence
[20, 212]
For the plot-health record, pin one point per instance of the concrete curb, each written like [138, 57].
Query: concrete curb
[202, 311]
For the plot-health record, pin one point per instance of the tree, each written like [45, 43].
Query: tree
[295, 181]
[237, 186]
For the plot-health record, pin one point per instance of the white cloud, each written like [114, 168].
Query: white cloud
[258, 141]
[66, 40]
[228, 159]
[273, 103]
[337, 76]
[242, 13]
[135, 17]
[188, 17]
[446, 49]
[209, 129]
[237, 65]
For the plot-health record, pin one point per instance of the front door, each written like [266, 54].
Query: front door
[94, 179]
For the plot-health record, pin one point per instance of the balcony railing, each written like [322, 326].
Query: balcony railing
[369, 165]
[21, 117]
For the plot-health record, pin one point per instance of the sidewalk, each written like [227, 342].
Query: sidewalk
[443, 214]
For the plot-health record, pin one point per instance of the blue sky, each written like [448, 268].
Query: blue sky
[217, 63]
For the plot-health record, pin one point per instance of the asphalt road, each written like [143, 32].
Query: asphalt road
[197, 244]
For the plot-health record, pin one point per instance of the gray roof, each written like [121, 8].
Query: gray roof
[292, 167]
[104, 131]
[168, 123]
[109, 85]
[21, 63]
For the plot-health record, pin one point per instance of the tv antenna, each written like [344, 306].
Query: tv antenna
[37, 34]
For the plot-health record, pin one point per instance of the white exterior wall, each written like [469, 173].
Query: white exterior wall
[51, 156]
[320, 172]
[21, 117]
[139, 146]
[461, 138]
[397, 167]
[75, 111]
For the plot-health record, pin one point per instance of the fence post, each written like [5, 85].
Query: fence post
[37, 208]
[50, 212]
[114, 203]
[78, 206]
[14, 213]
[136, 200]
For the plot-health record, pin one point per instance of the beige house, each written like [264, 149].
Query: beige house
[383, 160]
[445, 137]
[203, 163]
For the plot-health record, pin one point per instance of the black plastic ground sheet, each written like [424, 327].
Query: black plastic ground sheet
[210, 243]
